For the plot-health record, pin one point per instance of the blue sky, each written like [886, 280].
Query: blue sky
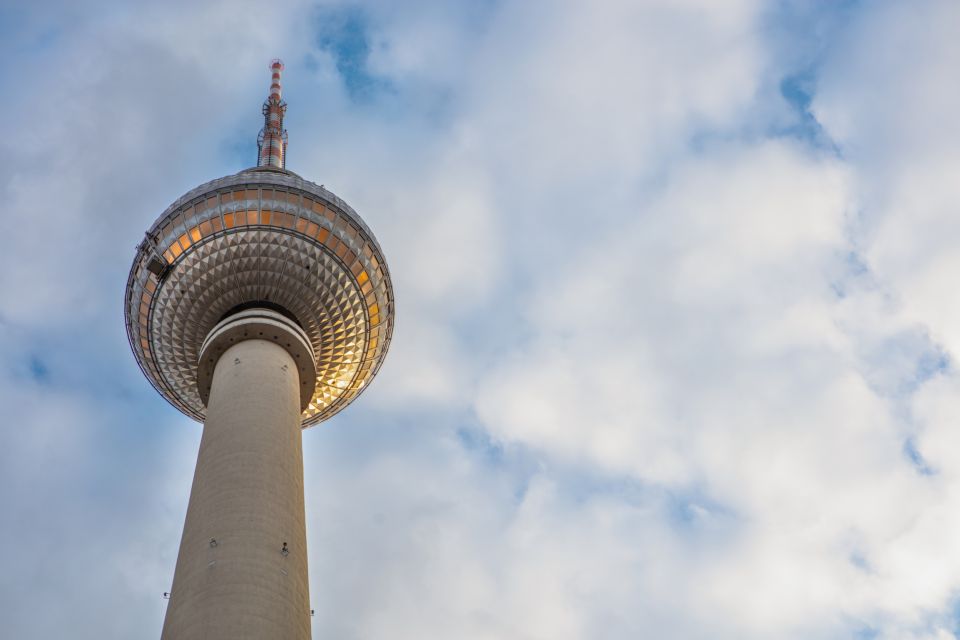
[676, 331]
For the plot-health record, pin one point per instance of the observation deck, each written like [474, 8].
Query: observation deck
[266, 238]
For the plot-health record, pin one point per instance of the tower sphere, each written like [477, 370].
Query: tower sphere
[263, 238]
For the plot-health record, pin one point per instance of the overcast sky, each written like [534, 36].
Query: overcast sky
[677, 311]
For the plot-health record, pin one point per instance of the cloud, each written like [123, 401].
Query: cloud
[674, 347]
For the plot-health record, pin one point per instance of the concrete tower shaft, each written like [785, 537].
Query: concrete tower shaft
[242, 567]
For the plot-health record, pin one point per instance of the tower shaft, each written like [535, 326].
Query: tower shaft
[259, 303]
[242, 568]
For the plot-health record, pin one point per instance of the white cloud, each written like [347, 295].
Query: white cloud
[655, 373]
[887, 100]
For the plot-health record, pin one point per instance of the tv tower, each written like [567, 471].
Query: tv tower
[259, 304]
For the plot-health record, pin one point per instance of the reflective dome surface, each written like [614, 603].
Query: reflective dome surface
[263, 237]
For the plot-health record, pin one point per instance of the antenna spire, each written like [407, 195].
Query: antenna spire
[272, 141]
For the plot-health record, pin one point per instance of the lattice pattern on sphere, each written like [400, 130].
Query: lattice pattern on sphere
[260, 235]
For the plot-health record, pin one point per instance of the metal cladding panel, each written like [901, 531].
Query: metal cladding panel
[261, 235]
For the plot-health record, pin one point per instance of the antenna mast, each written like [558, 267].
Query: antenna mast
[272, 141]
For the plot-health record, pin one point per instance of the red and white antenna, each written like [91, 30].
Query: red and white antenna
[272, 141]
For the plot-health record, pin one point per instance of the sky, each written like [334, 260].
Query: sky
[676, 328]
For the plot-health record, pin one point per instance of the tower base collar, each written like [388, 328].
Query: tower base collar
[258, 324]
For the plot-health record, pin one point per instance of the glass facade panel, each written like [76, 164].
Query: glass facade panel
[178, 222]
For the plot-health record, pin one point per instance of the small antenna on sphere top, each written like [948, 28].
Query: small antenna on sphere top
[272, 141]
